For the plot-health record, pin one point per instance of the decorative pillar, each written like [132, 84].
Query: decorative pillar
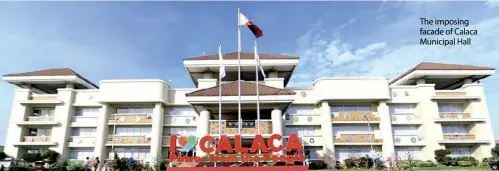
[101, 134]
[63, 113]
[277, 126]
[327, 134]
[385, 127]
[202, 129]
[157, 131]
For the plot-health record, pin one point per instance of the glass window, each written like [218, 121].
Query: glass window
[460, 151]
[301, 131]
[81, 153]
[403, 153]
[455, 129]
[343, 153]
[450, 108]
[351, 108]
[405, 130]
[352, 129]
[402, 108]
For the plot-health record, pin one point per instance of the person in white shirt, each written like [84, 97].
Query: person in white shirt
[85, 164]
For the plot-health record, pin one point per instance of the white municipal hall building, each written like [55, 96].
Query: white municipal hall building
[431, 106]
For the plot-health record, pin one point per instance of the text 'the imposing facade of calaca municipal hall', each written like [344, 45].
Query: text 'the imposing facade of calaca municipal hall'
[432, 106]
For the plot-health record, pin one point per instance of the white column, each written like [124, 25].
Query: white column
[202, 128]
[427, 109]
[62, 115]
[277, 126]
[100, 149]
[17, 114]
[327, 133]
[385, 128]
[157, 131]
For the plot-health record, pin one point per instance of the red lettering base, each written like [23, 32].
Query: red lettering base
[246, 168]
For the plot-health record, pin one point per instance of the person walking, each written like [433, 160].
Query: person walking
[96, 163]
[85, 163]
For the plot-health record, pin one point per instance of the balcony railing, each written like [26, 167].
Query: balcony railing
[43, 97]
[355, 116]
[40, 118]
[141, 139]
[450, 93]
[405, 118]
[35, 139]
[408, 140]
[248, 127]
[357, 138]
[130, 119]
[455, 115]
[459, 137]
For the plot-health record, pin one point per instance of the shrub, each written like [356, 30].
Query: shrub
[441, 156]
[465, 163]
[132, 164]
[31, 157]
[75, 165]
[350, 163]
[454, 161]
[380, 164]
[425, 164]
[365, 162]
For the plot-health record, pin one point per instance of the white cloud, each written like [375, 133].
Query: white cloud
[492, 3]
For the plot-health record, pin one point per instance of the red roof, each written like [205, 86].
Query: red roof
[440, 66]
[51, 72]
[244, 55]
[248, 88]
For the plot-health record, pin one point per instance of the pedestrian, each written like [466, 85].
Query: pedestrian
[85, 163]
[2, 168]
[96, 163]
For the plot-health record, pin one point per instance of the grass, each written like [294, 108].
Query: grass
[419, 169]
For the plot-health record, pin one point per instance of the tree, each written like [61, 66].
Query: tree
[329, 159]
[441, 156]
[496, 149]
[2, 155]
[31, 157]
[410, 159]
[50, 156]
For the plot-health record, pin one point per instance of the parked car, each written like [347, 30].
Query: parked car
[494, 165]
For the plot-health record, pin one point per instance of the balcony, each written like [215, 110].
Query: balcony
[406, 119]
[453, 94]
[355, 117]
[36, 140]
[179, 120]
[39, 120]
[130, 119]
[408, 140]
[457, 118]
[461, 139]
[312, 140]
[248, 127]
[42, 99]
[357, 139]
[303, 119]
[80, 141]
[84, 121]
[140, 140]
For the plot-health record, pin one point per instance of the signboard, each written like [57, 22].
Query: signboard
[240, 154]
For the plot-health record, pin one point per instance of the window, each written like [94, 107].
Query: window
[405, 130]
[345, 153]
[40, 132]
[455, 129]
[351, 108]
[81, 153]
[183, 131]
[301, 131]
[402, 108]
[450, 108]
[301, 110]
[43, 112]
[181, 111]
[87, 112]
[136, 153]
[352, 129]
[134, 110]
[132, 131]
[403, 153]
[311, 153]
[460, 151]
[86, 132]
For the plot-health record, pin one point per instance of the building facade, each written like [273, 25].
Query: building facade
[431, 106]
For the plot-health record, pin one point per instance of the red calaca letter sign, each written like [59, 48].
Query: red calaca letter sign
[213, 149]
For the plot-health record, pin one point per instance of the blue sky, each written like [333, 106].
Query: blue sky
[130, 40]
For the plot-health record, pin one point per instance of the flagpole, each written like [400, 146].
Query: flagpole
[239, 70]
[257, 63]
[220, 95]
